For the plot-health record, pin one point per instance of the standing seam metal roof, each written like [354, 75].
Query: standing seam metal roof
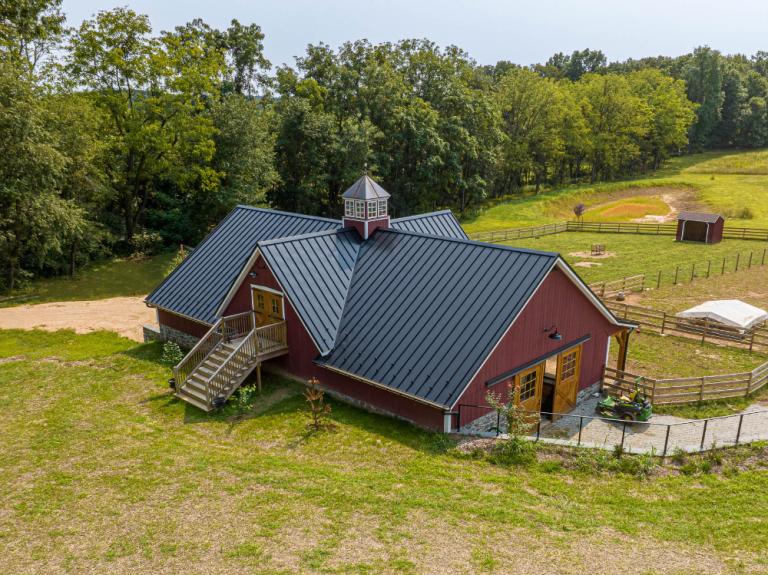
[442, 223]
[198, 286]
[424, 312]
[315, 272]
[699, 217]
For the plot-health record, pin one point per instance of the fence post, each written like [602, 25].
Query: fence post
[693, 271]
[738, 257]
[623, 433]
[738, 431]
[751, 345]
[658, 281]
[709, 267]
[722, 272]
[749, 265]
[703, 435]
[677, 269]
[762, 262]
[663, 321]
[701, 390]
[666, 441]
[581, 425]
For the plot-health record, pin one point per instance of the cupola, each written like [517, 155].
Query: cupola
[366, 207]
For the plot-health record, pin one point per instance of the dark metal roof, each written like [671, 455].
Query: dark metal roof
[699, 217]
[442, 223]
[315, 272]
[365, 189]
[423, 312]
[198, 286]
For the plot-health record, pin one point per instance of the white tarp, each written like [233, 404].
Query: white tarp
[731, 312]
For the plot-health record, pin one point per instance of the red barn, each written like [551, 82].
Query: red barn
[696, 227]
[404, 316]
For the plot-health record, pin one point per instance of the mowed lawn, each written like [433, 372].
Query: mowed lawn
[638, 254]
[99, 280]
[732, 183]
[102, 471]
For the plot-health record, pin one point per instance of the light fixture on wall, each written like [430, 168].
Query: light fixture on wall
[253, 274]
[553, 333]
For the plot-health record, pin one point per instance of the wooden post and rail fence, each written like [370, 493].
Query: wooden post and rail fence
[660, 229]
[680, 390]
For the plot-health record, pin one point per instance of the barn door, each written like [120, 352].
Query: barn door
[267, 306]
[567, 383]
[528, 386]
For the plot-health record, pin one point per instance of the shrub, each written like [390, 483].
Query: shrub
[145, 244]
[745, 213]
[678, 456]
[245, 396]
[172, 353]
[513, 451]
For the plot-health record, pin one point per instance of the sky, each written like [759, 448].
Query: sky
[522, 31]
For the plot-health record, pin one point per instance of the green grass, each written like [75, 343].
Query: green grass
[101, 470]
[670, 356]
[100, 280]
[635, 254]
[725, 182]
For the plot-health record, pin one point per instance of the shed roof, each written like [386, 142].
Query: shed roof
[198, 286]
[365, 189]
[423, 312]
[699, 217]
[442, 223]
[315, 272]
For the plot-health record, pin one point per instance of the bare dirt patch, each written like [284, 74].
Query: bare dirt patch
[586, 264]
[592, 256]
[678, 200]
[123, 315]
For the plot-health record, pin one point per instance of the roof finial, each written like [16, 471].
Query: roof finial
[365, 169]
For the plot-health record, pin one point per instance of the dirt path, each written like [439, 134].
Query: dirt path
[123, 315]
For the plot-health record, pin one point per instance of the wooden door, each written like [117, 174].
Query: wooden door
[528, 386]
[567, 383]
[267, 306]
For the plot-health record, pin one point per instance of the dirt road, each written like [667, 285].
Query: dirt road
[123, 315]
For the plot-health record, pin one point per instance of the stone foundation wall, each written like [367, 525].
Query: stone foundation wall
[151, 333]
[184, 340]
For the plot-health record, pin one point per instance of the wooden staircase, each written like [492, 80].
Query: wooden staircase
[224, 357]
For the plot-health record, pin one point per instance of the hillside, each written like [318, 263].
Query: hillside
[732, 183]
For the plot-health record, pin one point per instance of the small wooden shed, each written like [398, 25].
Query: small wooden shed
[698, 227]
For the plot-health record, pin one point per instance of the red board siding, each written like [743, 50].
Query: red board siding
[715, 234]
[300, 360]
[557, 302]
[181, 323]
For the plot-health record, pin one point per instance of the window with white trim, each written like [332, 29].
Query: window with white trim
[349, 208]
[371, 209]
[382, 208]
[360, 209]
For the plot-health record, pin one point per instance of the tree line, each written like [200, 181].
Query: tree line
[115, 139]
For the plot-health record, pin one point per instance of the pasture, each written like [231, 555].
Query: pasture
[101, 470]
[732, 183]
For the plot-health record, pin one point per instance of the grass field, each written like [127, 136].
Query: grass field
[111, 278]
[726, 182]
[634, 254]
[102, 471]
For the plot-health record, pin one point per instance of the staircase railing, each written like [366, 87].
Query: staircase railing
[197, 354]
[259, 341]
[225, 329]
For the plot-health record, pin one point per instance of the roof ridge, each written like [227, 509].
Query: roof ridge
[285, 213]
[471, 242]
[306, 236]
[424, 215]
